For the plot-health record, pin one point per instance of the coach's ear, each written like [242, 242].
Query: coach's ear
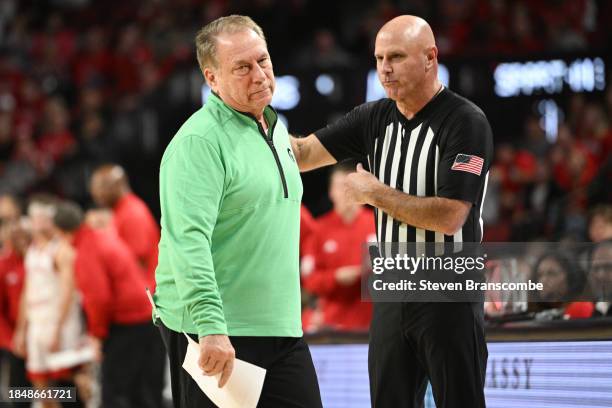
[211, 78]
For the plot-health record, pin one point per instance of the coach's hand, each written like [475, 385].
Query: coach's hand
[217, 356]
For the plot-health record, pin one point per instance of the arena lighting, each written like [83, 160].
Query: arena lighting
[286, 93]
[551, 116]
[550, 77]
[325, 84]
[284, 120]
[375, 91]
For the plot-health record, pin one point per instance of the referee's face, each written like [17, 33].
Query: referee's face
[400, 63]
[244, 78]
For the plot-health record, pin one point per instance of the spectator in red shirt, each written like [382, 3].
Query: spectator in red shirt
[95, 61]
[137, 227]
[11, 281]
[308, 226]
[563, 284]
[15, 239]
[56, 140]
[132, 218]
[11, 271]
[131, 53]
[117, 309]
[11, 267]
[333, 261]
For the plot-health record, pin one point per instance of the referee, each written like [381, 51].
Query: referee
[429, 152]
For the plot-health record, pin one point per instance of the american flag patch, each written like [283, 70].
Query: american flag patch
[469, 163]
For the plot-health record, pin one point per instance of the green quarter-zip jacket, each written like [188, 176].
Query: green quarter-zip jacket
[230, 203]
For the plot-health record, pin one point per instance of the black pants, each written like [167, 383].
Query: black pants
[154, 377]
[13, 368]
[413, 342]
[291, 381]
[131, 356]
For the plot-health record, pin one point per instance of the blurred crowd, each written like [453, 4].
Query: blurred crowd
[73, 301]
[83, 83]
[540, 190]
[80, 87]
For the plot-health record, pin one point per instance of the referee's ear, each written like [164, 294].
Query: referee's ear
[432, 57]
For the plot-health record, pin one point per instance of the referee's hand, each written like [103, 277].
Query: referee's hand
[217, 356]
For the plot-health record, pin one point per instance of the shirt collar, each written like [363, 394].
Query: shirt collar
[270, 113]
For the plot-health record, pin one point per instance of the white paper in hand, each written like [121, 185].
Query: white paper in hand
[243, 388]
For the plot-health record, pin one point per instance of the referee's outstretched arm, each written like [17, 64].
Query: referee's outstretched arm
[310, 153]
[430, 213]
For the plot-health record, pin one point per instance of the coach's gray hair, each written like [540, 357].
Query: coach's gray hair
[206, 38]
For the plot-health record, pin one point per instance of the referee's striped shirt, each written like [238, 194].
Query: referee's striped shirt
[445, 150]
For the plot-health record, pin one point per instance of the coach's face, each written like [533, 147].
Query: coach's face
[402, 62]
[244, 78]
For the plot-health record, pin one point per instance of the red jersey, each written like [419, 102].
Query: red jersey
[139, 230]
[334, 245]
[110, 281]
[12, 275]
[308, 226]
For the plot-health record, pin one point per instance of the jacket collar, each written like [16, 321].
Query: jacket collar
[216, 102]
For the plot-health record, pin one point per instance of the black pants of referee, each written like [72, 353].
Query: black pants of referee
[291, 380]
[413, 342]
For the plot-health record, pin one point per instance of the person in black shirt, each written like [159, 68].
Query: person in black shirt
[428, 152]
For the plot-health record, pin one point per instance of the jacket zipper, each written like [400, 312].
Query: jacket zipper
[270, 143]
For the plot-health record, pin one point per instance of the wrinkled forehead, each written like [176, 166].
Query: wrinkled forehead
[244, 45]
[391, 40]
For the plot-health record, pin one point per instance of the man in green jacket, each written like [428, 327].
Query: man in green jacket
[230, 193]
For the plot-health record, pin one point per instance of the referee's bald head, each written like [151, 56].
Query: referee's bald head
[412, 29]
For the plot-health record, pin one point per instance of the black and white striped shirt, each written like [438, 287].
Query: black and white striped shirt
[445, 150]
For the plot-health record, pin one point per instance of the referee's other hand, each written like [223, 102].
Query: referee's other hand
[217, 356]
